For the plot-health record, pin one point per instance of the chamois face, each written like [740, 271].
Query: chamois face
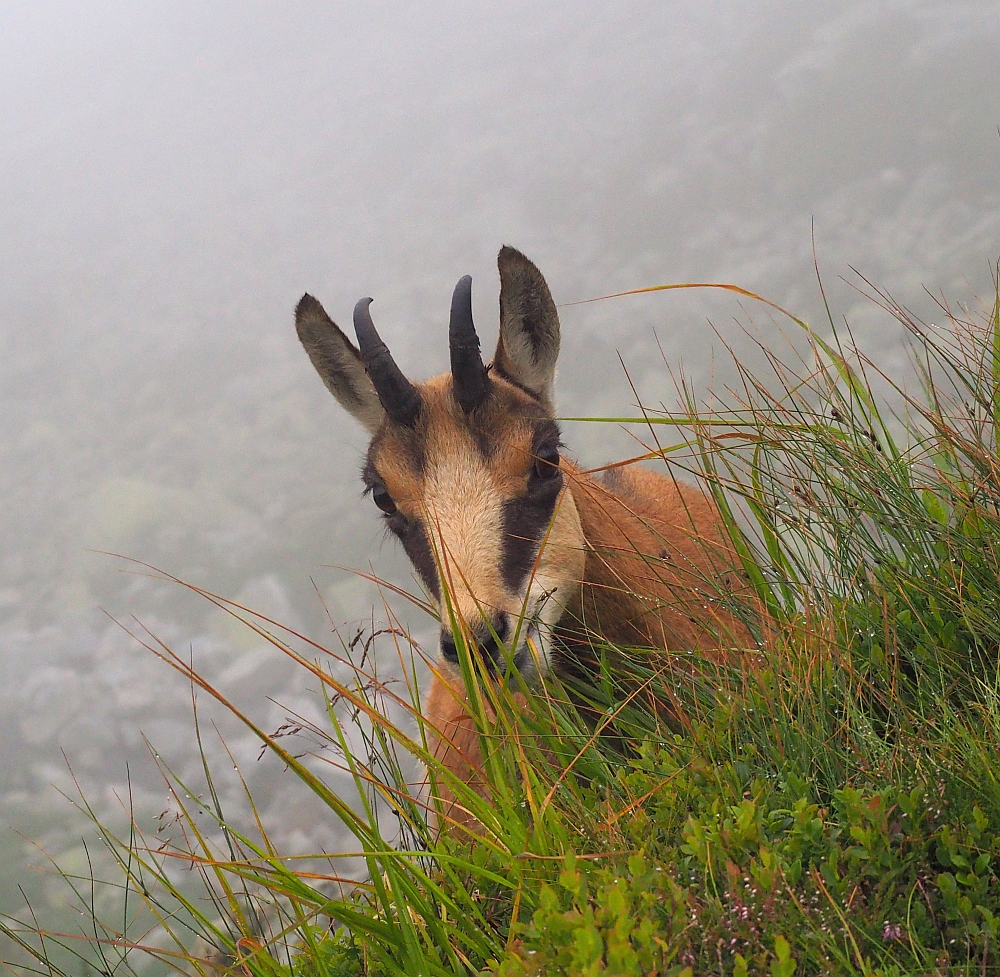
[473, 498]
[466, 467]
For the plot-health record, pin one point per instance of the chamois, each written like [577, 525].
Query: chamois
[537, 557]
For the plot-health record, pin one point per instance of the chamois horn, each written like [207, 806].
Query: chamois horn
[467, 370]
[396, 394]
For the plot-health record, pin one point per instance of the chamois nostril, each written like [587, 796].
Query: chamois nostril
[489, 642]
[501, 627]
[448, 648]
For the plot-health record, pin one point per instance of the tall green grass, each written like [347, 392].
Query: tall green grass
[828, 804]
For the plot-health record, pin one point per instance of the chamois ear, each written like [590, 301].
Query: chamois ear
[529, 326]
[338, 363]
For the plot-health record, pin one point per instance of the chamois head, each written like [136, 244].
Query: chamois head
[466, 467]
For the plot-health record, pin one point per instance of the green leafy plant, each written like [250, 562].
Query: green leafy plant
[828, 805]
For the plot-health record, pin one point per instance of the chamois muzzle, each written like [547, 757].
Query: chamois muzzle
[489, 639]
[468, 374]
[396, 394]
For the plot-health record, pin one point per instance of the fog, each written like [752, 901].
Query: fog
[173, 176]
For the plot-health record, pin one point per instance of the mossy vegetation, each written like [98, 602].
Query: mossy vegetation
[828, 802]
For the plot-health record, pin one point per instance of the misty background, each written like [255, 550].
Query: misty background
[173, 176]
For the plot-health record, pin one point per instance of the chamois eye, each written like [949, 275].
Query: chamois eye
[547, 461]
[382, 498]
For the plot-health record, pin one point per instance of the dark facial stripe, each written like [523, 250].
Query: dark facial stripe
[547, 432]
[527, 517]
[407, 443]
[485, 437]
[409, 532]
[413, 536]
[525, 520]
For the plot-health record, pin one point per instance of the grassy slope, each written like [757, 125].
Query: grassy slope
[834, 810]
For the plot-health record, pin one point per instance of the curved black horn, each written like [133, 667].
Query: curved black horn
[397, 395]
[467, 370]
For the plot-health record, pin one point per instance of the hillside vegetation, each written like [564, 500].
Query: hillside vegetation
[828, 804]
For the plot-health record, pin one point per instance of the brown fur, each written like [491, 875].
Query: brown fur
[635, 559]
[657, 563]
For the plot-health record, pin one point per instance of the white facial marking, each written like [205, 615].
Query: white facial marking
[465, 517]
